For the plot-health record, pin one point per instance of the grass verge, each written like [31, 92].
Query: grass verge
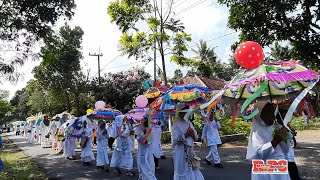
[17, 165]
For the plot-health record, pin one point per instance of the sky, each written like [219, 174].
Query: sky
[203, 20]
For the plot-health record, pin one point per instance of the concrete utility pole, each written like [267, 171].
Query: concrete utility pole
[98, 55]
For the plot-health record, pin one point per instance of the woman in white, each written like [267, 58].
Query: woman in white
[145, 156]
[69, 142]
[54, 127]
[184, 135]
[86, 152]
[210, 133]
[156, 142]
[261, 143]
[44, 129]
[102, 152]
[30, 132]
[122, 156]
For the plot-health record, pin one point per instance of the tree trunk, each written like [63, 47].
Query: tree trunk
[162, 51]
[68, 103]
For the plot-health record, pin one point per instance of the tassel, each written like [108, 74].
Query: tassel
[301, 107]
[234, 115]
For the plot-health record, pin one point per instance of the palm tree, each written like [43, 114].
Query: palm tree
[279, 52]
[207, 59]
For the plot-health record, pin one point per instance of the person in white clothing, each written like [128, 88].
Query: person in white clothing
[86, 147]
[292, 166]
[156, 142]
[184, 135]
[44, 129]
[122, 156]
[262, 144]
[210, 134]
[54, 127]
[145, 156]
[102, 151]
[69, 143]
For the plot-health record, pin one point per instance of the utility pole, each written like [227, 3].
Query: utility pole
[155, 46]
[98, 55]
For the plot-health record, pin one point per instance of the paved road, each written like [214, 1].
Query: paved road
[59, 168]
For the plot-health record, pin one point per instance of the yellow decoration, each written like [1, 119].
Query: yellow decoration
[181, 96]
[152, 95]
[89, 111]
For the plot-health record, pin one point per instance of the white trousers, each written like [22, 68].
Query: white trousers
[213, 154]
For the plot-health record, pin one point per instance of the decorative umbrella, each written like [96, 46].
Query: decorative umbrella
[31, 118]
[105, 114]
[154, 89]
[191, 95]
[273, 80]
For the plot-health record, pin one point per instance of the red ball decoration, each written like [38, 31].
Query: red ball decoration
[249, 54]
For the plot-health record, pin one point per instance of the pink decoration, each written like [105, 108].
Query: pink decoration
[141, 101]
[279, 77]
[99, 105]
[249, 54]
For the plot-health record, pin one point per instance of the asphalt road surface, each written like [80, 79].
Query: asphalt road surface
[57, 167]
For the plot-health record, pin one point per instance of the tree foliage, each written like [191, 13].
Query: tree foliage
[23, 23]
[176, 76]
[295, 21]
[279, 52]
[59, 72]
[167, 32]
[121, 88]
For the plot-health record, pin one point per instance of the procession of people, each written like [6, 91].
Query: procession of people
[263, 105]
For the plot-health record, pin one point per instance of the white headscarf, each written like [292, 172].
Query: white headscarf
[117, 124]
[260, 133]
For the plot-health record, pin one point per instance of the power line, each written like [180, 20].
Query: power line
[124, 65]
[190, 7]
[109, 63]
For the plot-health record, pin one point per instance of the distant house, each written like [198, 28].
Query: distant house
[193, 78]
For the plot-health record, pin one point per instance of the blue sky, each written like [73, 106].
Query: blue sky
[206, 21]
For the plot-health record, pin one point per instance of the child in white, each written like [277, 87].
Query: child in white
[210, 134]
[102, 154]
[145, 156]
[122, 156]
[86, 151]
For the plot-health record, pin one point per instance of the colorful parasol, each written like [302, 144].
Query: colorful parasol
[191, 95]
[154, 89]
[138, 113]
[31, 118]
[106, 114]
[271, 80]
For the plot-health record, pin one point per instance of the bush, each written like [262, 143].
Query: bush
[298, 123]
[166, 137]
[240, 126]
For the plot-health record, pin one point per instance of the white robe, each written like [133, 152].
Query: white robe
[145, 157]
[156, 141]
[45, 142]
[102, 153]
[182, 166]
[211, 134]
[69, 143]
[122, 156]
[54, 126]
[260, 147]
[30, 133]
[86, 152]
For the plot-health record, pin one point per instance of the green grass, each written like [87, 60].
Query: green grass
[17, 165]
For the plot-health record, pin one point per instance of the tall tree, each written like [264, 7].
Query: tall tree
[60, 69]
[177, 76]
[23, 23]
[4, 94]
[167, 32]
[277, 20]
[5, 109]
